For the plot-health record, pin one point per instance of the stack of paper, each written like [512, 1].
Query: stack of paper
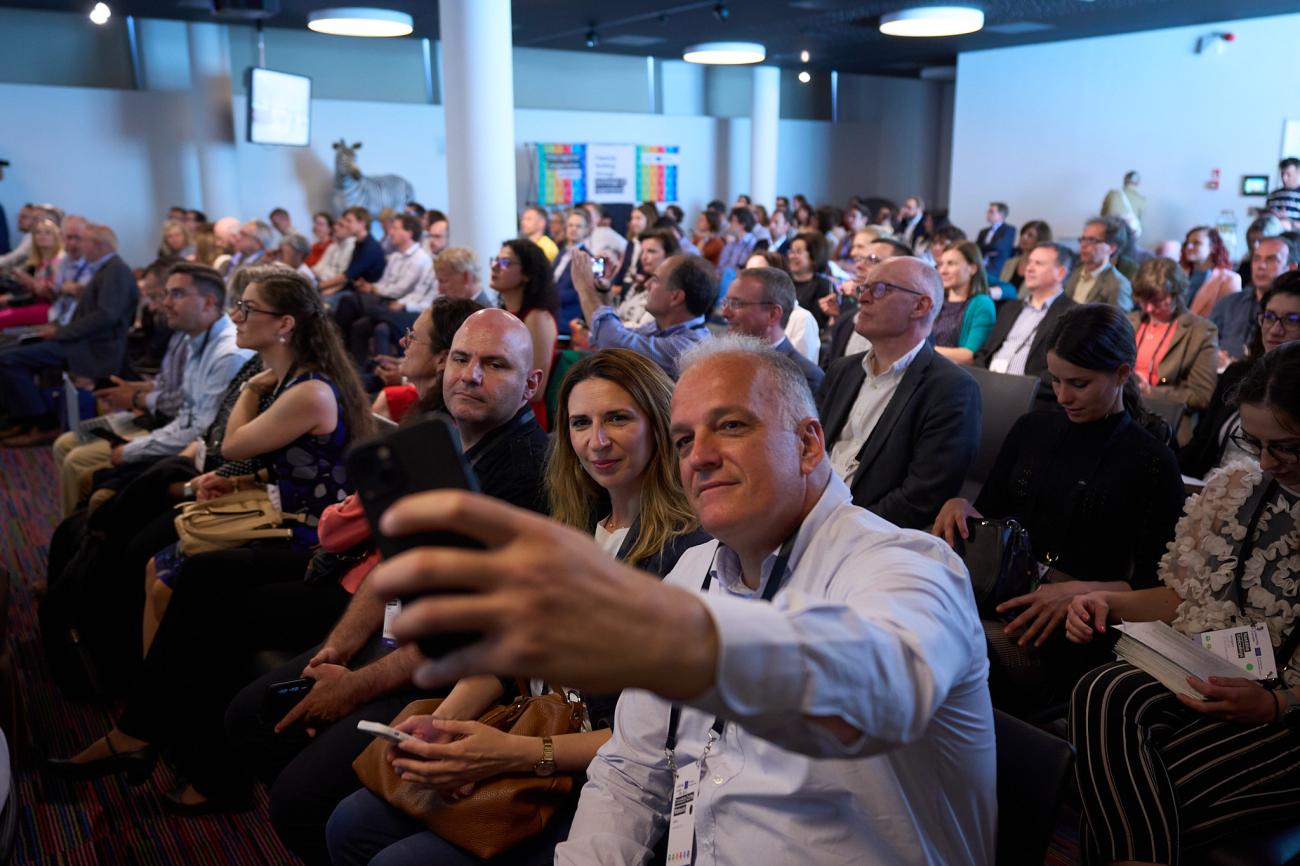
[1170, 656]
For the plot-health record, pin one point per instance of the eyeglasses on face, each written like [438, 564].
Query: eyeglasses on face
[409, 337]
[1289, 454]
[501, 262]
[737, 304]
[1086, 241]
[867, 260]
[1290, 322]
[879, 289]
[244, 309]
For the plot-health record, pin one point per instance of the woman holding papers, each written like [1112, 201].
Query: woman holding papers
[1161, 773]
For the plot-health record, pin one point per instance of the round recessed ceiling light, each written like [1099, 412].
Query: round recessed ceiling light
[804, 77]
[100, 14]
[932, 21]
[360, 21]
[725, 53]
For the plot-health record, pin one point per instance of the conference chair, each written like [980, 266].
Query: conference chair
[1034, 769]
[1168, 411]
[1005, 397]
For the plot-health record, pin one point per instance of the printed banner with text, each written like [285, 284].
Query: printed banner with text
[606, 173]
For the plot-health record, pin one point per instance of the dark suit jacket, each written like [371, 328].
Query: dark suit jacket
[921, 449]
[810, 371]
[841, 333]
[997, 246]
[1036, 363]
[95, 338]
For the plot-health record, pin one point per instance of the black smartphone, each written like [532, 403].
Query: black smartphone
[282, 697]
[415, 458]
[107, 435]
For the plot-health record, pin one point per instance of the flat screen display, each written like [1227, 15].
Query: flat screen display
[279, 108]
[1254, 184]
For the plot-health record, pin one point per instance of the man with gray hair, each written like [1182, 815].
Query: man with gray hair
[814, 673]
[902, 422]
[251, 244]
[759, 304]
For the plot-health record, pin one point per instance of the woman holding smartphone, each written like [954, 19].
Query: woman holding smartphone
[611, 472]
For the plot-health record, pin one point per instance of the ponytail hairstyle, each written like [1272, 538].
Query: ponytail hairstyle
[1098, 337]
[316, 344]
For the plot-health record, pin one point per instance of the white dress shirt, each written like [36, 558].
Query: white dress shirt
[1014, 351]
[403, 273]
[874, 625]
[336, 259]
[802, 333]
[873, 397]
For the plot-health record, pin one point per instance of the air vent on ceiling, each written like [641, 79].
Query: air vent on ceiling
[631, 40]
[1015, 28]
[245, 10]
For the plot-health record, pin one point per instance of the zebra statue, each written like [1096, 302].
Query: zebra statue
[374, 193]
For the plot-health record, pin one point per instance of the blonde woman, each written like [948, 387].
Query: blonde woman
[37, 277]
[177, 242]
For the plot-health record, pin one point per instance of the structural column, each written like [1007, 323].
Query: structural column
[214, 122]
[765, 115]
[479, 114]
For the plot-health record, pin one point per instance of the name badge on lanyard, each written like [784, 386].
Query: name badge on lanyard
[1249, 647]
[681, 818]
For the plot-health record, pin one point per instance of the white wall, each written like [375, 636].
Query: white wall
[1050, 128]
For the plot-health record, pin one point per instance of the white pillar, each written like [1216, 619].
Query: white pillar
[765, 113]
[214, 121]
[479, 112]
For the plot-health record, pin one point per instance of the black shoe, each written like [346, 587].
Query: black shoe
[137, 765]
[173, 803]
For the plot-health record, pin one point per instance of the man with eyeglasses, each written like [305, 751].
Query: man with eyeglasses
[902, 422]
[759, 304]
[1097, 281]
[845, 339]
[1235, 315]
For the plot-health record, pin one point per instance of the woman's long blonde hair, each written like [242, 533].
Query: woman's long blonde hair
[37, 259]
[578, 501]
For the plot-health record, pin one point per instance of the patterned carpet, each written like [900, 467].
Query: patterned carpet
[104, 823]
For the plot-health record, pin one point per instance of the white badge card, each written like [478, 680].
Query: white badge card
[1247, 646]
[200, 454]
[999, 365]
[273, 494]
[681, 821]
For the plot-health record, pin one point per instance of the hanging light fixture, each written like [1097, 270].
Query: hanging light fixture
[725, 53]
[360, 21]
[932, 21]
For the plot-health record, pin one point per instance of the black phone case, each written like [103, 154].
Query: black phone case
[416, 458]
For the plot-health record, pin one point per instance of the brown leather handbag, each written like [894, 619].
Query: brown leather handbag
[502, 811]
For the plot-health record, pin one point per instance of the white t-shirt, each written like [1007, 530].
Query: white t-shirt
[801, 330]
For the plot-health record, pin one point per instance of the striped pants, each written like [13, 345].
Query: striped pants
[1157, 778]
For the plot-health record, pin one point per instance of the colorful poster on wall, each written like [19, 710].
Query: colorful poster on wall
[656, 178]
[561, 173]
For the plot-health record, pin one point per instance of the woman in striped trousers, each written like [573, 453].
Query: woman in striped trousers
[1161, 774]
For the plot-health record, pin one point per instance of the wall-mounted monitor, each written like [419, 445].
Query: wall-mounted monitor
[279, 108]
[1254, 184]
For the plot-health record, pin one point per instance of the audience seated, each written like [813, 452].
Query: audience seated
[656, 245]
[758, 304]
[1161, 774]
[801, 328]
[1032, 233]
[487, 385]
[367, 261]
[421, 368]
[808, 259]
[611, 471]
[407, 265]
[17, 257]
[707, 237]
[841, 310]
[1210, 277]
[337, 255]
[1096, 281]
[782, 232]
[1178, 351]
[523, 280]
[996, 241]
[316, 408]
[175, 242]
[252, 244]
[1212, 445]
[967, 314]
[1018, 342]
[1235, 314]
[1098, 495]
[293, 252]
[902, 422]
[740, 240]
[532, 226]
[322, 233]
[680, 294]
[577, 233]
[34, 283]
[91, 346]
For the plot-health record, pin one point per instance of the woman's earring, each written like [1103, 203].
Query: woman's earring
[282, 339]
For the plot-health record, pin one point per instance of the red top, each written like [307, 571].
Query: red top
[317, 250]
[1153, 344]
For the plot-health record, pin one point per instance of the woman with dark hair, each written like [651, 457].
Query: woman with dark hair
[611, 471]
[1177, 351]
[1211, 445]
[1163, 774]
[656, 245]
[425, 347]
[522, 276]
[808, 257]
[803, 217]
[1032, 233]
[322, 232]
[1210, 276]
[1098, 495]
[296, 417]
[708, 235]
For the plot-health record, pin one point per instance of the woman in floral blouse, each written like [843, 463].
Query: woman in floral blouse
[1161, 774]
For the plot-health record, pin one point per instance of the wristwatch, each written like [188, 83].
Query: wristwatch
[546, 766]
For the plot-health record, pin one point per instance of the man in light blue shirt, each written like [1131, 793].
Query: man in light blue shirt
[194, 304]
[74, 273]
[679, 294]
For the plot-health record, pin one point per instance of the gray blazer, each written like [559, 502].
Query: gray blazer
[95, 338]
[1111, 287]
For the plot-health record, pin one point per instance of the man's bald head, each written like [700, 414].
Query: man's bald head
[912, 273]
[490, 373]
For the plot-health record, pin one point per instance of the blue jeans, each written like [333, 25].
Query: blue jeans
[19, 396]
[366, 831]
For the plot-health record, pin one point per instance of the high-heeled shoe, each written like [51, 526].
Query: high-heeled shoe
[137, 764]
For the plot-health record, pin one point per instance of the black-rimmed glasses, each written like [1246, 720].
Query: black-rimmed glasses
[1289, 322]
[244, 309]
[1289, 454]
[880, 288]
